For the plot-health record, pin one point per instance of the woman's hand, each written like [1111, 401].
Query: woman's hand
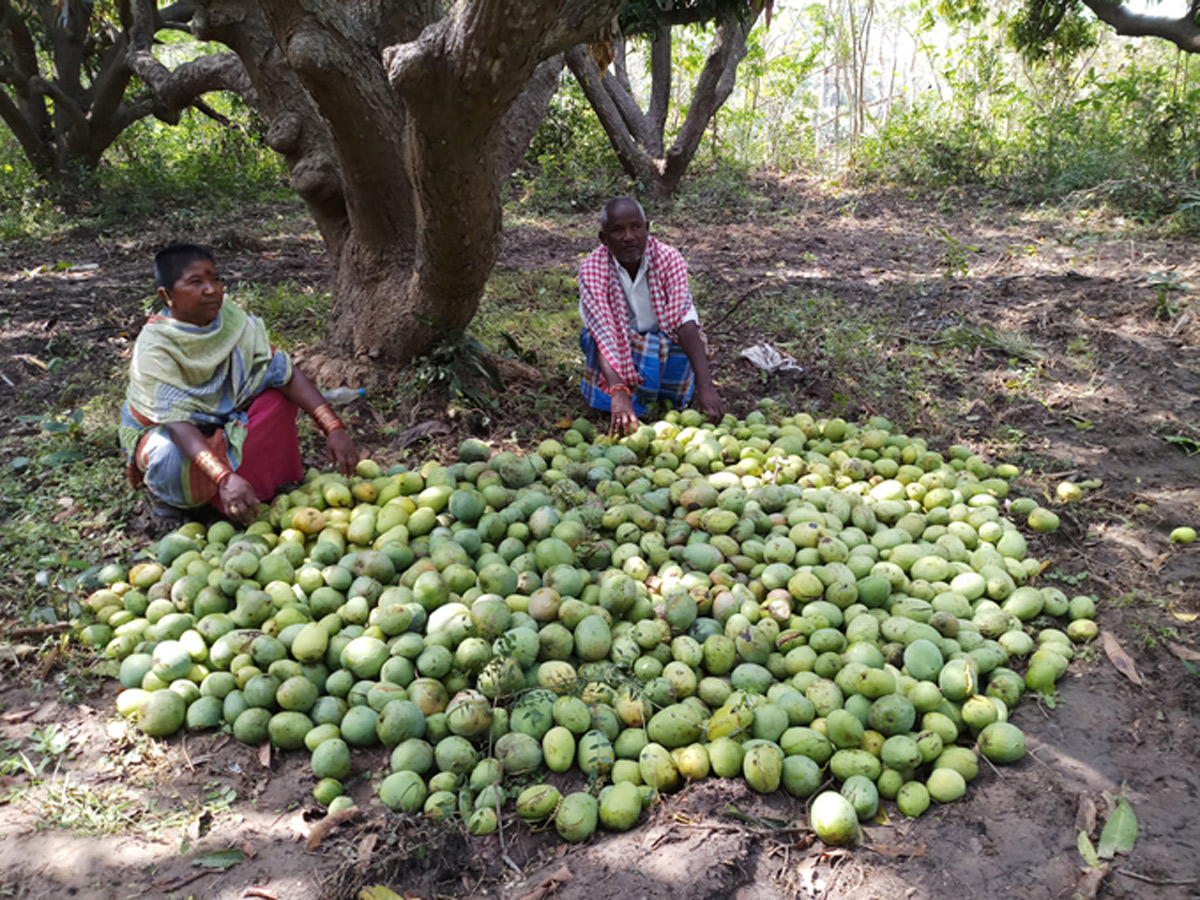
[238, 498]
[624, 419]
[340, 450]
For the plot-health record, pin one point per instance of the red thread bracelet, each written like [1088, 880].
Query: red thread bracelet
[620, 387]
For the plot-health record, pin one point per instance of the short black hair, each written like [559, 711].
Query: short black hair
[171, 260]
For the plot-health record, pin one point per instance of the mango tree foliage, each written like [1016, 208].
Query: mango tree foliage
[637, 129]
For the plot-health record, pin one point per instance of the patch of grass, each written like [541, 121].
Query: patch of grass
[68, 802]
[56, 518]
[539, 308]
[1013, 344]
[863, 348]
[294, 313]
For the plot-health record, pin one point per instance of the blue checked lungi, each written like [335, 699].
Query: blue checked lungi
[664, 367]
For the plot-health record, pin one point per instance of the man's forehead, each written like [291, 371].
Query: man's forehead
[624, 209]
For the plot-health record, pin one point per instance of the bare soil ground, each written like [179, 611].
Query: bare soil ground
[1084, 380]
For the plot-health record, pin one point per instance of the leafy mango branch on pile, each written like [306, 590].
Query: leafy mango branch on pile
[783, 600]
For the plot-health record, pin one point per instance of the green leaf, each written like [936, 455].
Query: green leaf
[1187, 444]
[18, 463]
[1120, 831]
[1087, 851]
[76, 415]
[56, 427]
[63, 457]
[222, 859]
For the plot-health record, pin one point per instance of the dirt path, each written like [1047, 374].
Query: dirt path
[1072, 373]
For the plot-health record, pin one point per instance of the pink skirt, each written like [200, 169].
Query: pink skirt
[271, 452]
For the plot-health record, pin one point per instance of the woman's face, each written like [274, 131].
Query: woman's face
[197, 295]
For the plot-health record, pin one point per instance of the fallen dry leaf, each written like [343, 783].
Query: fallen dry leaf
[49, 661]
[550, 884]
[365, 850]
[1178, 649]
[175, 882]
[417, 432]
[1085, 815]
[264, 756]
[1089, 882]
[1121, 660]
[65, 514]
[1181, 616]
[46, 711]
[321, 830]
[299, 825]
[16, 652]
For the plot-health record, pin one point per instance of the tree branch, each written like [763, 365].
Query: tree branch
[621, 92]
[177, 89]
[713, 88]
[177, 13]
[334, 60]
[1183, 32]
[35, 151]
[578, 21]
[296, 129]
[524, 117]
[636, 162]
[660, 84]
[24, 51]
[618, 67]
[64, 104]
[108, 93]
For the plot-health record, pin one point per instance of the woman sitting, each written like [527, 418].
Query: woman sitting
[210, 414]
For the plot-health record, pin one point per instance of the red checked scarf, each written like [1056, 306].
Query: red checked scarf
[606, 311]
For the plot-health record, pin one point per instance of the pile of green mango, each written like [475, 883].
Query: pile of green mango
[779, 598]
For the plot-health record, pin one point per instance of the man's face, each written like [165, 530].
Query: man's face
[625, 234]
[197, 296]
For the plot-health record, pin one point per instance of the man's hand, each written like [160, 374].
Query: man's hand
[708, 401]
[624, 419]
[238, 498]
[340, 450]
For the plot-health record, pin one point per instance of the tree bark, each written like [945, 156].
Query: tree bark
[398, 119]
[405, 162]
[526, 116]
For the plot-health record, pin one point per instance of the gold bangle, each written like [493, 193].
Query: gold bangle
[327, 420]
[208, 463]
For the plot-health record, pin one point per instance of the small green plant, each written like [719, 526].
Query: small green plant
[1066, 577]
[1165, 283]
[458, 365]
[50, 742]
[954, 259]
